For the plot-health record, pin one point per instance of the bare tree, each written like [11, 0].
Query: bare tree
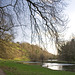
[45, 17]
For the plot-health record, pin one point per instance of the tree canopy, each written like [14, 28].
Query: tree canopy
[22, 51]
[67, 51]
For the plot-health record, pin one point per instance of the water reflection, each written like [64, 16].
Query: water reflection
[57, 66]
[52, 60]
[31, 63]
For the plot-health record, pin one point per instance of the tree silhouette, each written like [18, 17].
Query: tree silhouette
[67, 52]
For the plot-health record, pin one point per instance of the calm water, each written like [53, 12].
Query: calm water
[57, 66]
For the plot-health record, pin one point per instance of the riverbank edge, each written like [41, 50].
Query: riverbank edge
[45, 61]
[65, 62]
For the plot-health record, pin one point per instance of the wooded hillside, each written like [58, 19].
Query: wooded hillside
[22, 51]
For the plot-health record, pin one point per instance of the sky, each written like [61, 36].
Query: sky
[70, 12]
[69, 32]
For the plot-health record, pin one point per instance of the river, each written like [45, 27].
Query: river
[55, 66]
[60, 66]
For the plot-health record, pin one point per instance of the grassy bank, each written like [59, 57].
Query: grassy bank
[14, 68]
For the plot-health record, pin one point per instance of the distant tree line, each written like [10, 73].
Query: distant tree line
[67, 51]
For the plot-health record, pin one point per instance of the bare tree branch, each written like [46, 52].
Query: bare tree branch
[45, 16]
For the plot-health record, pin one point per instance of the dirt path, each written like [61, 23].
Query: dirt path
[1, 72]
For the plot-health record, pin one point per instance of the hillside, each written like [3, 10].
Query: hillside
[22, 51]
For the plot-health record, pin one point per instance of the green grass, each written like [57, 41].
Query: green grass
[15, 68]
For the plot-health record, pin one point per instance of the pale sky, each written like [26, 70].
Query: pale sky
[70, 12]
